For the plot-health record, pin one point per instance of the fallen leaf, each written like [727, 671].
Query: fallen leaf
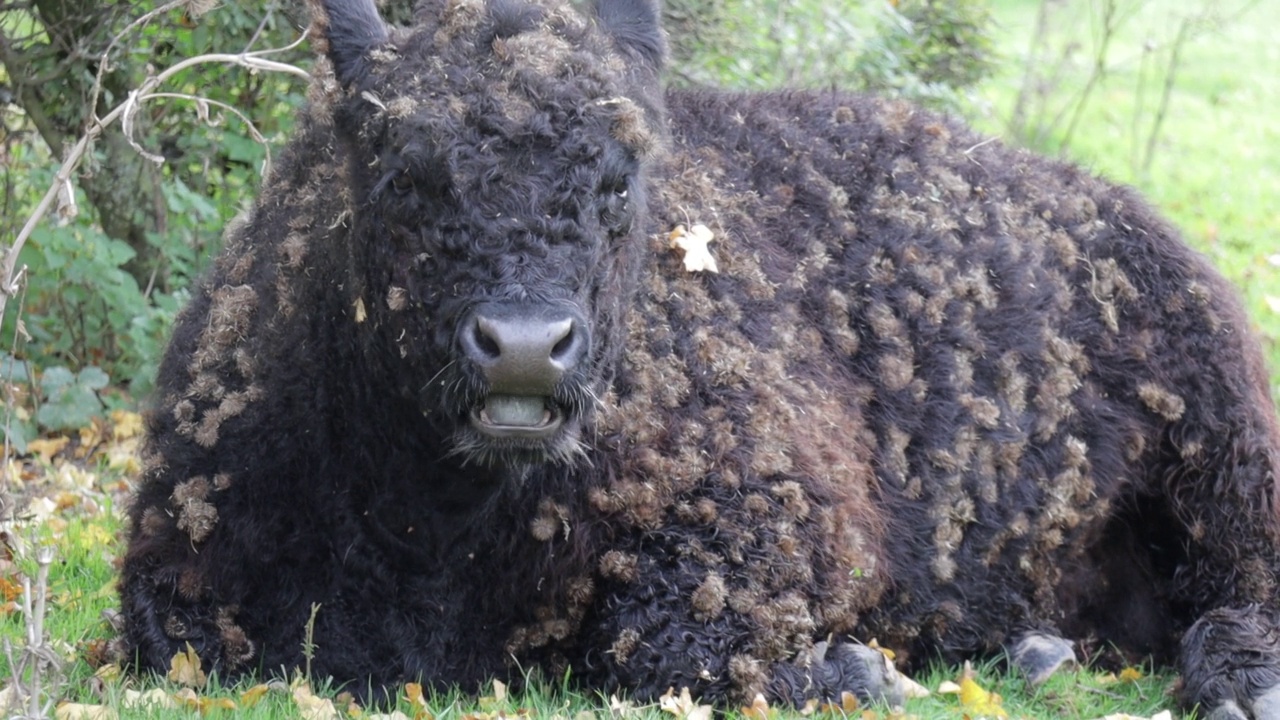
[1273, 302]
[156, 698]
[1274, 259]
[1130, 674]
[125, 425]
[810, 707]
[758, 710]
[683, 706]
[184, 669]
[90, 437]
[620, 709]
[46, 448]
[311, 707]
[875, 645]
[978, 702]
[413, 691]
[186, 697]
[253, 695]
[913, 689]
[693, 242]
[848, 705]
[79, 711]
[946, 687]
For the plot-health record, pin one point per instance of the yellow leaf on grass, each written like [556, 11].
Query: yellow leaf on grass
[311, 707]
[155, 698]
[187, 697]
[848, 704]
[1130, 674]
[90, 437]
[683, 705]
[184, 669]
[250, 697]
[693, 243]
[759, 709]
[46, 448]
[978, 702]
[78, 711]
[125, 425]
[419, 702]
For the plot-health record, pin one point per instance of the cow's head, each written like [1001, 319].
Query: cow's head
[495, 153]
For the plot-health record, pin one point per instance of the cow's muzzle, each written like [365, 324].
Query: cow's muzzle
[524, 352]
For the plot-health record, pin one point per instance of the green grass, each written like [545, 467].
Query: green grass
[1215, 169]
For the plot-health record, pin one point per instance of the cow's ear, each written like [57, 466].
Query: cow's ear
[345, 31]
[636, 26]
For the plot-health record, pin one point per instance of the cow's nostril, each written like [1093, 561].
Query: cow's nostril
[485, 344]
[565, 352]
[523, 350]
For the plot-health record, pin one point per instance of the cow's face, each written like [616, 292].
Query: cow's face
[495, 157]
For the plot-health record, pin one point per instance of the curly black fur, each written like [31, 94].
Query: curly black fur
[941, 392]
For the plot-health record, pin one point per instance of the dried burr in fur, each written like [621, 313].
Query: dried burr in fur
[450, 382]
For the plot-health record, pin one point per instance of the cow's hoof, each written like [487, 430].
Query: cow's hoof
[1229, 710]
[1039, 656]
[884, 683]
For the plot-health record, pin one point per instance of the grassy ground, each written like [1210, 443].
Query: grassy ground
[1215, 170]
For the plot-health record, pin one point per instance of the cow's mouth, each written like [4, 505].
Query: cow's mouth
[527, 417]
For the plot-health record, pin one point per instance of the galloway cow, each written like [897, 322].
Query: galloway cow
[450, 384]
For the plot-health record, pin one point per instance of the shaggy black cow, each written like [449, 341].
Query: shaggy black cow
[449, 383]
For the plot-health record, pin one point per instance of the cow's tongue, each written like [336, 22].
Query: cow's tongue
[516, 410]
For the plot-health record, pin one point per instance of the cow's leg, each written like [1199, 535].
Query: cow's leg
[1038, 655]
[1231, 663]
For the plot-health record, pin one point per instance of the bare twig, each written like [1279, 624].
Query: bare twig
[253, 61]
[37, 668]
[1166, 93]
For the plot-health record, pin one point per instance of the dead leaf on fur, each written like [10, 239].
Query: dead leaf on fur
[184, 669]
[693, 242]
[875, 645]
